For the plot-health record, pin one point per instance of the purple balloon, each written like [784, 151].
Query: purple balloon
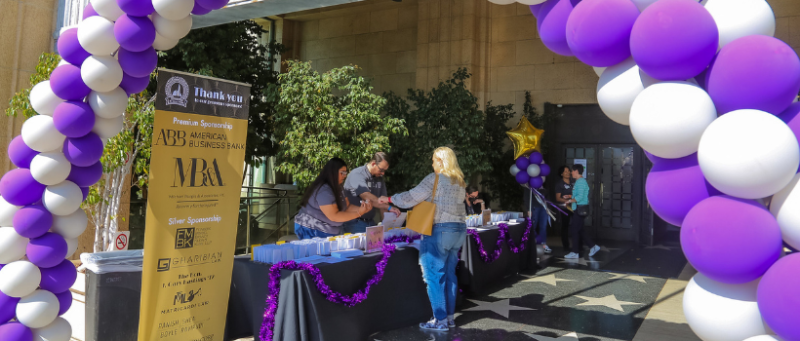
[200, 10]
[70, 49]
[59, 278]
[134, 34]
[674, 39]
[66, 83]
[654, 159]
[64, 301]
[32, 221]
[73, 118]
[86, 176]
[137, 8]
[535, 9]
[792, 118]
[89, 11]
[83, 151]
[778, 297]
[47, 251]
[84, 191]
[522, 162]
[138, 64]
[19, 187]
[754, 72]
[674, 186]
[535, 158]
[15, 331]
[536, 182]
[212, 4]
[599, 31]
[716, 231]
[20, 154]
[522, 177]
[8, 306]
[544, 170]
[134, 85]
[552, 25]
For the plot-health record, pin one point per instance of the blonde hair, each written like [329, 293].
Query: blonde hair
[449, 164]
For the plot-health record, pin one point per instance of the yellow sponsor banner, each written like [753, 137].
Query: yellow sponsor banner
[198, 149]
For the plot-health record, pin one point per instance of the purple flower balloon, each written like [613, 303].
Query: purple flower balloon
[536, 182]
[15, 331]
[47, 251]
[83, 151]
[137, 8]
[89, 11]
[59, 278]
[754, 72]
[674, 186]
[522, 162]
[8, 306]
[552, 24]
[544, 170]
[212, 4]
[778, 297]
[535, 158]
[134, 34]
[64, 301]
[200, 10]
[32, 221]
[86, 176]
[19, 187]
[674, 39]
[20, 154]
[138, 64]
[599, 31]
[66, 83]
[792, 118]
[70, 49]
[84, 190]
[134, 85]
[73, 118]
[716, 231]
[522, 177]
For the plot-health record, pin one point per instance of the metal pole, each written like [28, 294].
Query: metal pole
[247, 228]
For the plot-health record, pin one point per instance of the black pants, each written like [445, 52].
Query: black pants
[576, 231]
[565, 219]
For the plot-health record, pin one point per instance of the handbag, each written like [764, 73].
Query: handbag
[420, 218]
[582, 210]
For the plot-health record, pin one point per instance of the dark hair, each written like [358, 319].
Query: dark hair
[471, 188]
[330, 176]
[379, 156]
[578, 168]
[561, 170]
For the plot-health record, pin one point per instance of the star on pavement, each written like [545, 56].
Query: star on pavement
[502, 307]
[630, 277]
[567, 337]
[548, 279]
[609, 301]
[581, 261]
[662, 247]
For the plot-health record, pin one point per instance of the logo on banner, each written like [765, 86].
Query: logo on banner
[184, 238]
[185, 297]
[199, 172]
[177, 91]
[163, 264]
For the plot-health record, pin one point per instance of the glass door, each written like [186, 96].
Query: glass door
[619, 193]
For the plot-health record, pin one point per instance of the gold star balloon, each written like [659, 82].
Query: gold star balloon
[526, 138]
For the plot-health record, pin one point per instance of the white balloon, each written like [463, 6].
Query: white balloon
[642, 4]
[71, 225]
[163, 44]
[108, 127]
[62, 62]
[784, 207]
[173, 9]
[7, 212]
[72, 246]
[38, 310]
[533, 170]
[617, 89]
[745, 142]
[50, 168]
[599, 70]
[43, 100]
[172, 29]
[740, 18]
[764, 338]
[531, 2]
[668, 119]
[502, 2]
[62, 199]
[96, 36]
[12, 245]
[722, 312]
[101, 73]
[108, 104]
[59, 330]
[20, 278]
[108, 9]
[40, 134]
[514, 170]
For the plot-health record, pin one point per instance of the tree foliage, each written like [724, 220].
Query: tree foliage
[325, 115]
[20, 102]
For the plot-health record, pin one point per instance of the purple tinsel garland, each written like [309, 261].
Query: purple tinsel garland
[268, 325]
[504, 236]
[402, 239]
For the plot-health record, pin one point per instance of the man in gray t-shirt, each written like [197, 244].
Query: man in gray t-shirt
[366, 183]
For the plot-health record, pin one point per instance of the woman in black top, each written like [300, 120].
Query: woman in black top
[563, 194]
[473, 203]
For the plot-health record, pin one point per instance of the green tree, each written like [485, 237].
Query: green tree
[333, 114]
[20, 103]
[447, 115]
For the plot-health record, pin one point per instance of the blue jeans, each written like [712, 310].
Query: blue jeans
[303, 232]
[438, 257]
[540, 218]
[355, 226]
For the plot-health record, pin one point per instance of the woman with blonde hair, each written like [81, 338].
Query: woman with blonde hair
[438, 254]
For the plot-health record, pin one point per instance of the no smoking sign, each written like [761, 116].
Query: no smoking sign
[121, 240]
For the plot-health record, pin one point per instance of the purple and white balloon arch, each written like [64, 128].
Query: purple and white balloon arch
[106, 58]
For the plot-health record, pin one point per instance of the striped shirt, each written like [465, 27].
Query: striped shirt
[580, 192]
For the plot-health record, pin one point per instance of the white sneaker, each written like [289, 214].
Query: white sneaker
[547, 249]
[571, 255]
[593, 251]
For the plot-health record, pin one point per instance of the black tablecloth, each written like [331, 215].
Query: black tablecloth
[475, 276]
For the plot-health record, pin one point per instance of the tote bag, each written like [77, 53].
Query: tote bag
[420, 219]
